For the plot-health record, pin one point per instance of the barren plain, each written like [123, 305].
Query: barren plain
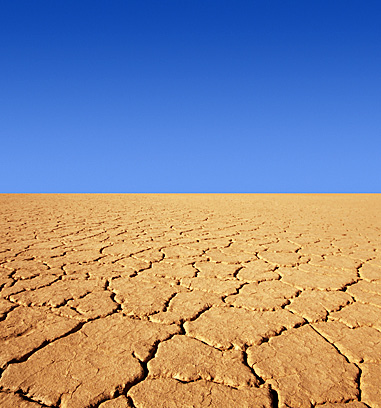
[174, 300]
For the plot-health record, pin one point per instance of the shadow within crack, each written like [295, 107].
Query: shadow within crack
[274, 398]
[28, 399]
[261, 381]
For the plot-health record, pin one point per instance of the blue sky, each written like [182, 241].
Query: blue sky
[190, 96]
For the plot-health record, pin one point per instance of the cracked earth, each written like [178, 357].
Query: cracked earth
[144, 301]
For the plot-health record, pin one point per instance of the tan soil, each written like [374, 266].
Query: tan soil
[190, 301]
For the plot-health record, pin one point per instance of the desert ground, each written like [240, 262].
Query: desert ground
[215, 300]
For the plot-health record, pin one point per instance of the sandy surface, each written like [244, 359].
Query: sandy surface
[190, 301]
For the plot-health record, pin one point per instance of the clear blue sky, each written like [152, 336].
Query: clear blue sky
[190, 96]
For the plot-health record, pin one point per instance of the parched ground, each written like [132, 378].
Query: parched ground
[147, 301]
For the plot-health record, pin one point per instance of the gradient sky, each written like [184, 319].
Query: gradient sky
[190, 96]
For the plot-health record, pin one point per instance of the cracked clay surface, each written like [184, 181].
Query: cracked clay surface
[141, 301]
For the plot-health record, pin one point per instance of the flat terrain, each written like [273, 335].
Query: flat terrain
[157, 301]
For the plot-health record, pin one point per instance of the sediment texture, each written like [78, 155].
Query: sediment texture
[190, 300]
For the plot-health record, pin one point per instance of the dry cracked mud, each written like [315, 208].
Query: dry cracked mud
[140, 301]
